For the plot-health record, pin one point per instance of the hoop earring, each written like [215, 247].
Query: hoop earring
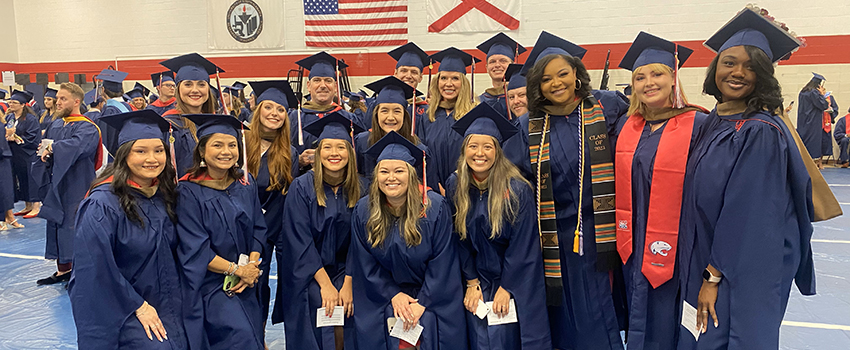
[578, 82]
[203, 164]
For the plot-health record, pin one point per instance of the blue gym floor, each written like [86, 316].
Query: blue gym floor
[39, 317]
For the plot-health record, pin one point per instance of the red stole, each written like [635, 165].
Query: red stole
[665, 198]
[160, 103]
[827, 117]
[846, 126]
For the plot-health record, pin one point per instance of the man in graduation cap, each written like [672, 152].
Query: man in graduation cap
[410, 67]
[74, 155]
[232, 95]
[167, 89]
[501, 51]
[112, 92]
[323, 88]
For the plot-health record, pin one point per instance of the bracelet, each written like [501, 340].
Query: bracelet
[228, 272]
[474, 285]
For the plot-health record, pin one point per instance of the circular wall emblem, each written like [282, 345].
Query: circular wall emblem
[244, 21]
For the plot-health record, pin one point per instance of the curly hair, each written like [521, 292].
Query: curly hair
[766, 95]
[536, 101]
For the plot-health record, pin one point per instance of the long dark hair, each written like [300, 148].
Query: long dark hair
[536, 101]
[766, 95]
[197, 170]
[813, 84]
[120, 173]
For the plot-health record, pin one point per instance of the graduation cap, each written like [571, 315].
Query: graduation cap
[135, 93]
[410, 55]
[752, 29]
[157, 78]
[549, 44]
[501, 44]
[321, 64]
[23, 97]
[233, 89]
[278, 91]
[50, 93]
[334, 126]
[514, 78]
[192, 67]
[238, 85]
[355, 96]
[485, 120]
[145, 91]
[395, 147]
[391, 90]
[112, 79]
[817, 77]
[127, 98]
[137, 125]
[91, 98]
[209, 124]
[454, 60]
[648, 49]
[3, 94]
[627, 88]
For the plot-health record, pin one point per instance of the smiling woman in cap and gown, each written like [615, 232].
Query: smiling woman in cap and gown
[500, 243]
[222, 235]
[46, 117]
[661, 130]
[272, 160]
[572, 162]
[194, 96]
[403, 259]
[126, 288]
[390, 112]
[748, 240]
[323, 87]
[451, 99]
[314, 244]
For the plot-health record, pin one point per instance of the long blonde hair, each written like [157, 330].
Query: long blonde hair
[351, 183]
[209, 107]
[503, 201]
[280, 152]
[636, 106]
[462, 105]
[381, 220]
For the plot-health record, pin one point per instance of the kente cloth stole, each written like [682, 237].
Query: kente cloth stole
[665, 196]
[593, 135]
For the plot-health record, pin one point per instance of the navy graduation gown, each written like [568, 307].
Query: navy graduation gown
[92, 114]
[7, 185]
[366, 164]
[118, 266]
[45, 122]
[362, 118]
[810, 120]
[443, 142]
[429, 272]
[29, 130]
[587, 318]
[313, 237]
[653, 312]
[272, 203]
[747, 180]
[161, 107]
[244, 115]
[513, 261]
[225, 223]
[75, 146]
[184, 143]
[498, 102]
[110, 135]
[841, 137]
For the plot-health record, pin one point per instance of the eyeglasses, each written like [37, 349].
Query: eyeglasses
[172, 86]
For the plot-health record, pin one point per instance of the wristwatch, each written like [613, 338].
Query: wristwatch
[708, 277]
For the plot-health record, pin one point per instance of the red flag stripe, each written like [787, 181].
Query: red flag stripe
[373, 10]
[356, 32]
[340, 22]
[356, 43]
[361, 1]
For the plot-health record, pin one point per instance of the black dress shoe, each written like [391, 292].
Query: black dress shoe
[53, 279]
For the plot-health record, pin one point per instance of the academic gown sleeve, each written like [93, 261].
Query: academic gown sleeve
[465, 251]
[522, 272]
[752, 244]
[101, 298]
[66, 153]
[834, 106]
[30, 131]
[840, 130]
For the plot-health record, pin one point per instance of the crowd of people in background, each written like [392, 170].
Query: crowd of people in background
[539, 214]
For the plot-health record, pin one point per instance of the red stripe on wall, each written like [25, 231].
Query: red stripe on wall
[834, 49]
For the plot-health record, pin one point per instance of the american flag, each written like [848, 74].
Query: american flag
[355, 23]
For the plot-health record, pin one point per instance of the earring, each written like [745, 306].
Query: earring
[578, 82]
[203, 164]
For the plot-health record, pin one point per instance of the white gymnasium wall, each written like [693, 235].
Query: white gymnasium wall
[77, 30]
[9, 37]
